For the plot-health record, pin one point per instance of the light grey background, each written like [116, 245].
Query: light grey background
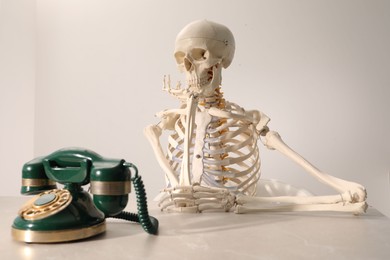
[89, 73]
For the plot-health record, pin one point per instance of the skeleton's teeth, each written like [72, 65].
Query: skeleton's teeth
[201, 82]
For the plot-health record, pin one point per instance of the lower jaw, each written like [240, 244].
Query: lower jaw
[204, 90]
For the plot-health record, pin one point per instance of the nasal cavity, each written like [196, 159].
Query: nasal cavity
[187, 64]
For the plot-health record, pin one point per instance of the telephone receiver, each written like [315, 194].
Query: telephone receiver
[71, 213]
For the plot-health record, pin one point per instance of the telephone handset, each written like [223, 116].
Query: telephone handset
[59, 215]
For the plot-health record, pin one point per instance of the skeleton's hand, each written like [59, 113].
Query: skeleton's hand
[196, 198]
[178, 92]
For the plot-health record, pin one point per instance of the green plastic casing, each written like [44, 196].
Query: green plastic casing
[34, 179]
[114, 179]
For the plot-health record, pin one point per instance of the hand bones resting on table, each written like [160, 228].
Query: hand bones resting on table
[212, 160]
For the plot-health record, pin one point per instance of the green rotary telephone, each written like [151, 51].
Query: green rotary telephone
[70, 213]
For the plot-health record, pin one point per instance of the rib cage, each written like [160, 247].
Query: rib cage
[230, 153]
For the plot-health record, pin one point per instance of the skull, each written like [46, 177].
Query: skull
[202, 48]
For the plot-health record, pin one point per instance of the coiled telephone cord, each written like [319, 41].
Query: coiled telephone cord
[148, 223]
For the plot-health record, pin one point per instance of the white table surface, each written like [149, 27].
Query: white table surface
[217, 236]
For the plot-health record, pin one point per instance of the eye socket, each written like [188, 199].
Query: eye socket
[179, 57]
[199, 54]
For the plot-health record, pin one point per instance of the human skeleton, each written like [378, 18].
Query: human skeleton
[212, 160]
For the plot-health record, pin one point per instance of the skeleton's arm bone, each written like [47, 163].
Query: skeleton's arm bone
[355, 208]
[295, 200]
[152, 133]
[356, 191]
[184, 178]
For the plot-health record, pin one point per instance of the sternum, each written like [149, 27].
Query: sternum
[202, 121]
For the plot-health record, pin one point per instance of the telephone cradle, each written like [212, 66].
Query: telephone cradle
[71, 213]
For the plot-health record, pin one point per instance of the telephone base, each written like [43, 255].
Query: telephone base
[57, 236]
[58, 216]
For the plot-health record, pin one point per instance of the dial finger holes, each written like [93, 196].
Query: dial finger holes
[29, 212]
